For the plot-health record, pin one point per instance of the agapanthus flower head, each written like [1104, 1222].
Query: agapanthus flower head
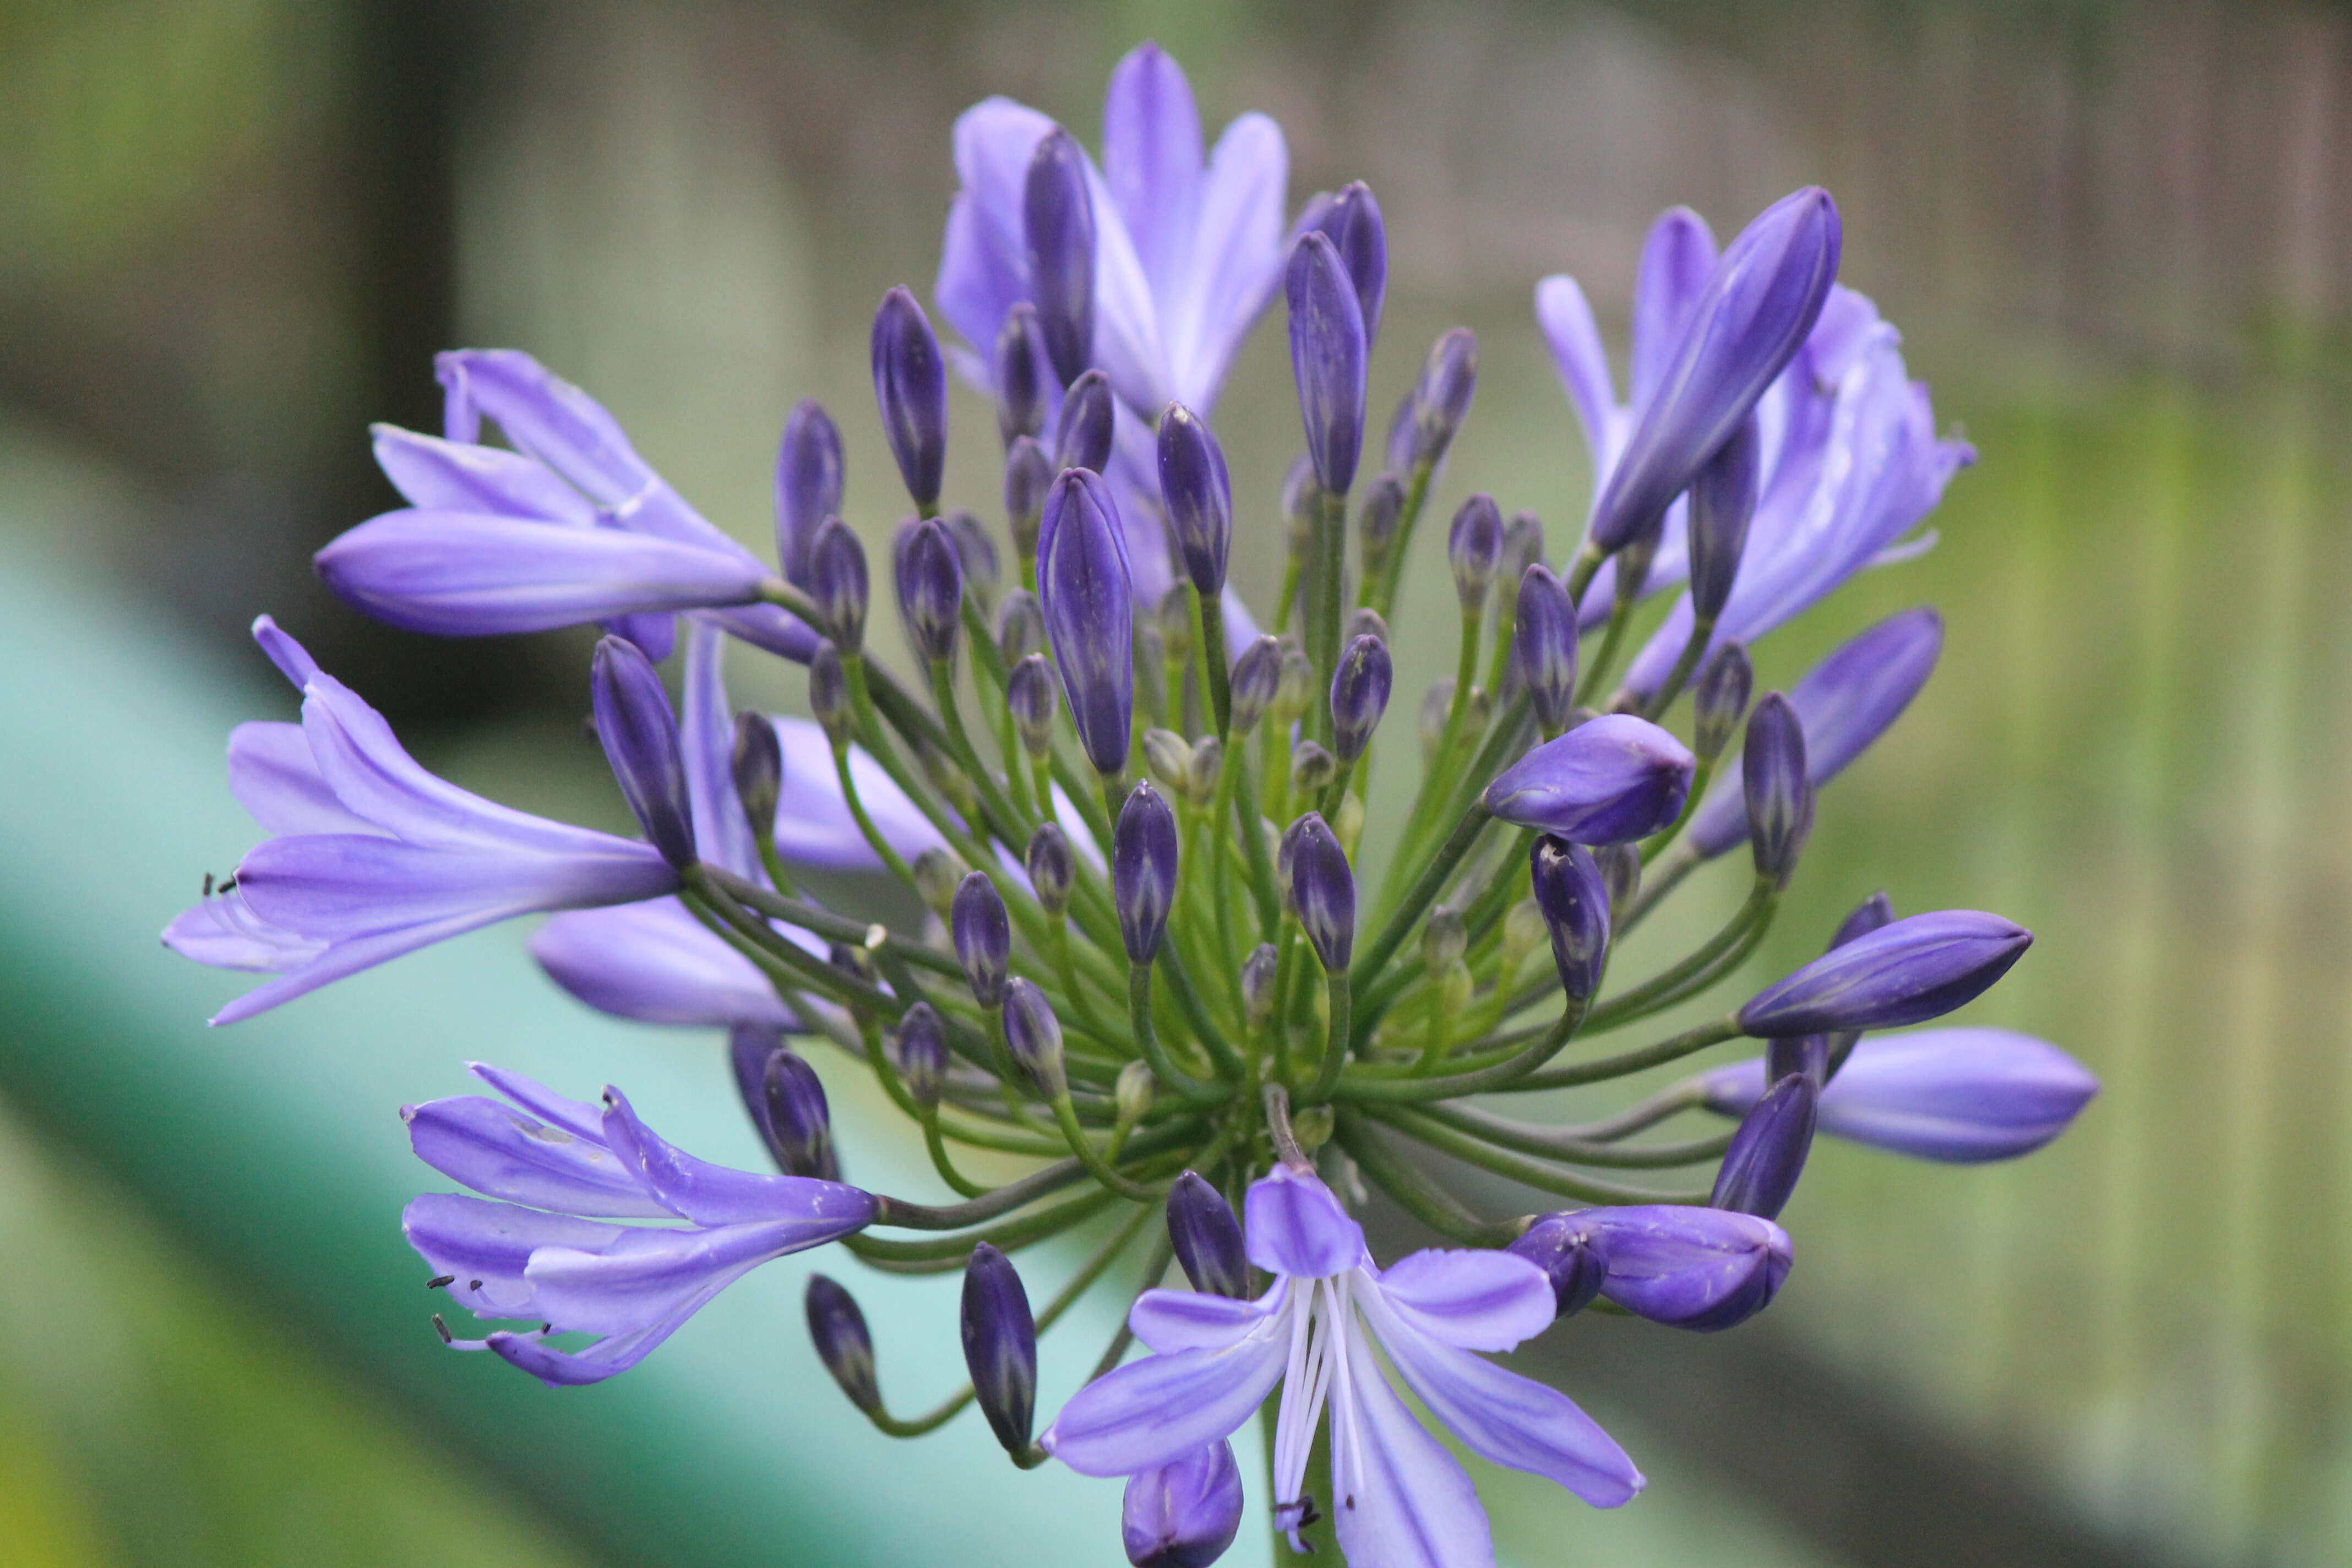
[1617, 777]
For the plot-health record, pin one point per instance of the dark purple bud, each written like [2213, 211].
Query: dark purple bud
[1441, 399]
[1719, 701]
[1258, 973]
[1143, 871]
[1722, 499]
[1873, 912]
[1083, 435]
[930, 588]
[1616, 778]
[1020, 626]
[1329, 351]
[828, 694]
[1779, 795]
[1198, 496]
[799, 1125]
[640, 736]
[1033, 1035]
[1907, 973]
[1474, 546]
[1057, 215]
[1322, 890]
[1184, 1514]
[1568, 1249]
[1207, 1238]
[1028, 475]
[1257, 675]
[977, 553]
[1000, 1345]
[1747, 325]
[983, 937]
[842, 1343]
[1621, 869]
[1768, 1153]
[756, 763]
[1845, 702]
[910, 386]
[1360, 695]
[1021, 372]
[1574, 899]
[1029, 691]
[1351, 219]
[1376, 524]
[1083, 582]
[923, 1054]
[1312, 768]
[1544, 644]
[808, 486]
[1689, 1268]
[1052, 868]
[838, 583]
[749, 1046]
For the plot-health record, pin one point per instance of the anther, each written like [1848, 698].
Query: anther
[438, 1280]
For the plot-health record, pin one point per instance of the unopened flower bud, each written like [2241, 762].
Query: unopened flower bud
[828, 694]
[1570, 1255]
[1351, 219]
[1256, 675]
[1473, 548]
[1174, 616]
[1621, 872]
[1198, 496]
[1805, 1054]
[1719, 700]
[977, 553]
[1200, 776]
[939, 871]
[983, 937]
[1185, 1513]
[1033, 1035]
[838, 1330]
[923, 1054]
[1052, 868]
[1348, 821]
[1020, 626]
[808, 486]
[1906, 972]
[1524, 931]
[1364, 621]
[1377, 524]
[1544, 647]
[1441, 397]
[1082, 581]
[1131, 1095]
[1150, 657]
[1257, 983]
[757, 763]
[1302, 504]
[1020, 374]
[1143, 871]
[1698, 1268]
[851, 961]
[1455, 987]
[1321, 889]
[1360, 695]
[1312, 1127]
[1028, 475]
[639, 733]
[1779, 795]
[1574, 902]
[1329, 352]
[910, 386]
[1312, 768]
[1523, 546]
[1294, 690]
[1057, 225]
[1207, 1238]
[999, 1346]
[1168, 760]
[1034, 696]
[930, 588]
[1722, 499]
[1435, 704]
[1081, 436]
[1617, 777]
[837, 581]
[798, 1124]
[1768, 1153]
[1444, 939]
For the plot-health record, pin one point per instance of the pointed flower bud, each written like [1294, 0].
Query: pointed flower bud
[1302, 504]
[1363, 621]
[1698, 1268]
[976, 552]
[1184, 1514]
[1778, 794]
[1033, 1035]
[1082, 437]
[828, 694]
[1258, 972]
[1034, 696]
[1523, 546]
[1360, 695]
[1168, 760]
[1329, 351]
[1083, 582]
[1198, 496]
[1444, 939]
[930, 589]
[1435, 704]
[938, 872]
[1020, 626]
[1544, 647]
[910, 386]
[1351, 220]
[639, 731]
[1621, 872]
[843, 1341]
[1377, 524]
[1207, 1238]
[757, 765]
[799, 1125]
[1441, 399]
[1568, 1248]
[808, 486]
[1907, 973]
[1000, 1345]
[983, 937]
[1312, 768]
[1257, 674]
[1873, 912]
[1028, 475]
[1524, 930]
[1143, 871]
[1958, 1096]
[923, 1054]
[1768, 1153]
[1052, 868]
[1473, 547]
[1021, 371]
[1574, 900]
[1057, 218]
[1322, 890]
[1174, 618]
[1746, 325]
[1721, 701]
[1131, 1095]
[1296, 688]
[1616, 778]
[838, 583]
[1200, 778]
[1722, 499]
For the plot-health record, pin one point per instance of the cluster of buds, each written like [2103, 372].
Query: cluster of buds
[1138, 817]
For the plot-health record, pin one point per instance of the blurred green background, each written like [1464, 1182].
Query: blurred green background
[2118, 238]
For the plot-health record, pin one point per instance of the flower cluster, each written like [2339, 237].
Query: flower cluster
[1136, 818]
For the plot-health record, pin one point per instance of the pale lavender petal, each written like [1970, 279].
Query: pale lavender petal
[984, 266]
[346, 957]
[574, 1116]
[274, 776]
[707, 738]
[647, 1275]
[457, 476]
[502, 1153]
[1567, 322]
[1295, 1227]
[1172, 1320]
[222, 933]
[1235, 262]
[1480, 1300]
[1676, 260]
[658, 964]
[487, 1246]
[814, 826]
[1151, 160]
[1128, 345]
[335, 885]
[292, 659]
[1398, 1499]
[815, 1211]
[1155, 1411]
[548, 418]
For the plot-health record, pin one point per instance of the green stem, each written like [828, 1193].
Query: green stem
[1330, 547]
[1066, 1115]
[1209, 638]
[1422, 894]
[1146, 1038]
[1694, 649]
[1416, 1194]
[1335, 1045]
[1422, 1128]
[1672, 1049]
[1416, 496]
[1507, 1074]
[1548, 1143]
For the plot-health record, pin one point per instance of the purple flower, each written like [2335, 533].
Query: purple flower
[1616, 778]
[1320, 888]
[1184, 1514]
[542, 1254]
[1960, 1096]
[1395, 1488]
[1842, 704]
[372, 856]
[1700, 1268]
[1906, 971]
[1084, 586]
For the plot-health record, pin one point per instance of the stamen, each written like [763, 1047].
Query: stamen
[438, 1281]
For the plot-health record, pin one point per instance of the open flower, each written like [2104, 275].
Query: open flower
[1398, 1497]
[555, 1263]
